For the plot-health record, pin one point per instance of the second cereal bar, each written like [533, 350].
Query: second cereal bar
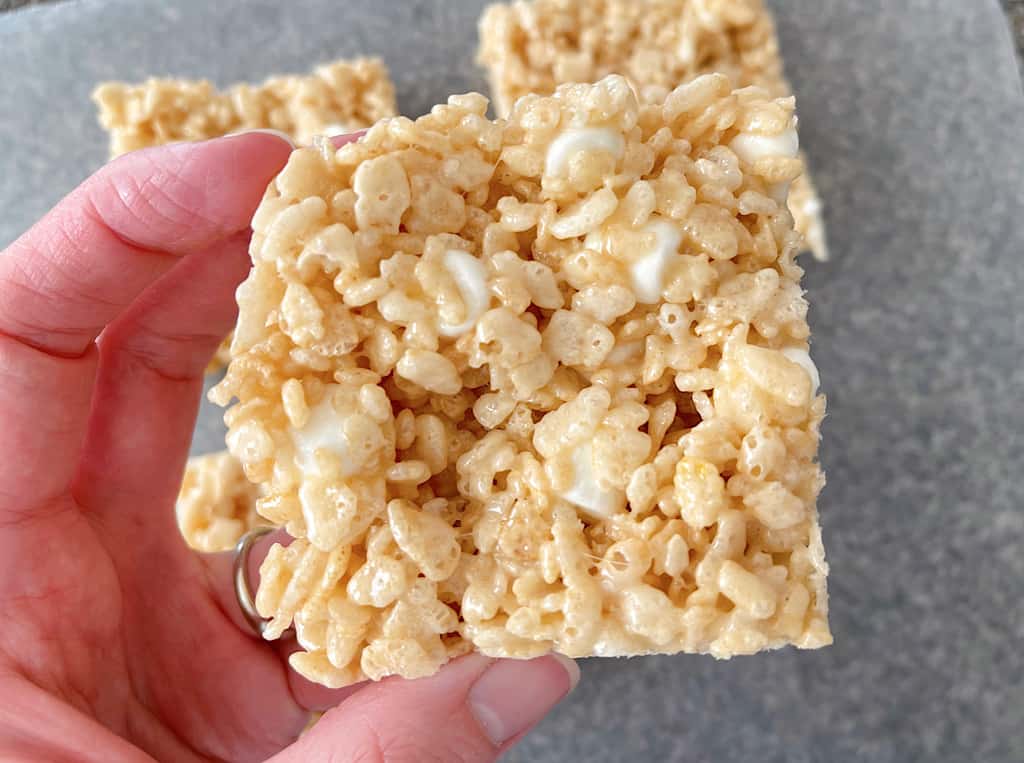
[531, 46]
[340, 96]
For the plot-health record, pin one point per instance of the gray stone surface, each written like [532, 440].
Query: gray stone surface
[909, 112]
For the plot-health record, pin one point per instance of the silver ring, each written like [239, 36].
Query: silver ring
[243, 588]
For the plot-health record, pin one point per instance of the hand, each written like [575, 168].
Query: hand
[117, 642]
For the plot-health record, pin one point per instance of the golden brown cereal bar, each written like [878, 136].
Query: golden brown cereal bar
[531, 46]
[536, 384]
[341, 96]
[217, 504]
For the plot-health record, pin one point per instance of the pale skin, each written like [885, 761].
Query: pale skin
[117, 642]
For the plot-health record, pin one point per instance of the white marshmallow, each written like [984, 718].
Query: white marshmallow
[573, 141]
[585, 493]
[750, 147]
[324, 430]
[470, 277]
[648, 271]
[803, 359]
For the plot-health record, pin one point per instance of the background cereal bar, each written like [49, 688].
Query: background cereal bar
[341, 96]
[536, 384]
[533, 46]
[217, 504]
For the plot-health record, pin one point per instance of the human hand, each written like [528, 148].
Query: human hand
[118, 643]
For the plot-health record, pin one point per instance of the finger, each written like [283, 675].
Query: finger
[77, 269]
[149, 385]
[163, 342]
[44, 406]
[340, 140]
[174, 327]
[473, 710]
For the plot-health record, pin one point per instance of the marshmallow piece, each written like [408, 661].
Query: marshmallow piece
[751, 147]
[573, 141]
[324, 430]
[471, 279]
[803, 359]
[648, 271]
[585, 493]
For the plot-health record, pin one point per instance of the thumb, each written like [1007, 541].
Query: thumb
[474, 710]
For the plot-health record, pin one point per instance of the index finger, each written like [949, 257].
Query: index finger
[76, 269]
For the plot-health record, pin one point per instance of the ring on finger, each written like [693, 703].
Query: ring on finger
[243, 587]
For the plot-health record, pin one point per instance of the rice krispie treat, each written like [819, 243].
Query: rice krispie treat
[531, 46]
[217, 504]
[338, 97]
[536, 384]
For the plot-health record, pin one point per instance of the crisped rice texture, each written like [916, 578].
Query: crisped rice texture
[536, 384]
[217, 504]
[531, 46]
[340, 96]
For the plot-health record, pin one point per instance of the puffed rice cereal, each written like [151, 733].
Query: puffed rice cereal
[338, 97]
[535, 384]
[217, 504]
[533, 46]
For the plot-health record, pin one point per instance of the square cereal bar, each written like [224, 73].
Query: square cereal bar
[531, 46]
[535, 384]
[216, 504]
[341, 96]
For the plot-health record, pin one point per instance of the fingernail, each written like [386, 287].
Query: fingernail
[340, 140]
[512, 695]
[266, 131]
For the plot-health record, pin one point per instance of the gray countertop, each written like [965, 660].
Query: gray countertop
[912, 114]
